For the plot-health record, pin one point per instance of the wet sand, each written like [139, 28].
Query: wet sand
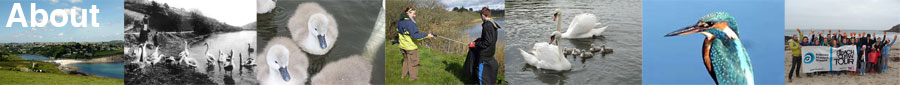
[890, 77]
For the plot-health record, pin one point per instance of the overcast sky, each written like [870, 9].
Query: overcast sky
[842, 14]
[474, 4]
[232, 12]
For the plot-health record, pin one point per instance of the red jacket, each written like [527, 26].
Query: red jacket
[873, 56]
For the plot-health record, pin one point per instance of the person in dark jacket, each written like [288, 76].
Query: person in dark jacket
[486, 45]
[409, 35]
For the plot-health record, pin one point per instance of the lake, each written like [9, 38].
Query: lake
[529, 22]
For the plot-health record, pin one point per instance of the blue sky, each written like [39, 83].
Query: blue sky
[110, 19]
[677, 60]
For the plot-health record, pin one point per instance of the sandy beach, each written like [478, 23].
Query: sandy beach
[64, 63]
[890, 77]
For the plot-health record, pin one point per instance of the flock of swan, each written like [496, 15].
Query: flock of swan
[547, 55]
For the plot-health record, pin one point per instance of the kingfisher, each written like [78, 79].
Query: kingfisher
[725, 57]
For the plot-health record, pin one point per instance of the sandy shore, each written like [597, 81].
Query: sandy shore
[64, 63]
[890, 77]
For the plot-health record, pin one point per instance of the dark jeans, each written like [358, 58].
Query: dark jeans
[795, 64]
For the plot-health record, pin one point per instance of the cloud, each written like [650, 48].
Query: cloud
[842, 14]
[75, 1]
[60, 34]
[54, 1]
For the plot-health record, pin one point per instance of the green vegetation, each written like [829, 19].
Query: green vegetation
[16, 71]
[440, 59]
[67, 50]
[34, 78]
[436, 67]
[431, 17]
[13, 62]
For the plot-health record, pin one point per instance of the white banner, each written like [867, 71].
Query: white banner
[822, 58]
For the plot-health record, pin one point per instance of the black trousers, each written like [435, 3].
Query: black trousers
[795, 67]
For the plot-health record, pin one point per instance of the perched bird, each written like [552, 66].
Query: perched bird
[724, 55]
[285, 64]
[547, 56]
[313, 29]
[584, 26]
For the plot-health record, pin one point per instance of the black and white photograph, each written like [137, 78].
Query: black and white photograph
[182, 42]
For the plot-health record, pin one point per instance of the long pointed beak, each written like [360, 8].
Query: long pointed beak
[684, 31]
[322, 41]
[284, 74]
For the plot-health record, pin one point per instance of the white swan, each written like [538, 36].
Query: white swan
[284, 63]
[353, 70]
[210, 58]
[584, 26]
[186, 56]
[156, 56]
[546, 56]
[313, 29]
[264, 6]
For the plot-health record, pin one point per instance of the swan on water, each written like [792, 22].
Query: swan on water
[584, 26]
[545, 55]
[314, 30]
[285, 64]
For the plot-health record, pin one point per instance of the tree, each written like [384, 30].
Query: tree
[455, 9]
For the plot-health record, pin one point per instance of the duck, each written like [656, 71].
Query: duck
[584, 26]
[313, 28]
[545, 55]
[285, 63]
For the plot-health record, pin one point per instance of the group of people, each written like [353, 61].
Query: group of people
[480, 65]
[871, 53]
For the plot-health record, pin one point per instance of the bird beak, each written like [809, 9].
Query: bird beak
[552, 38]
[555, 15]
[284, 74]
[685, 31]
[322, 41]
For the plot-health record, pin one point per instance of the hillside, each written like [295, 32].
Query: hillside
[896, 28]
[163, 18]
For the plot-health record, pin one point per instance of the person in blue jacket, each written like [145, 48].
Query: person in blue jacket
[408, 36]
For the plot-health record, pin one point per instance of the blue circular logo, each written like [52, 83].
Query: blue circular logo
[808, 57]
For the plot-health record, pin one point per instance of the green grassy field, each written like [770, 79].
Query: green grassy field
[436, 67]
[33, 78]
